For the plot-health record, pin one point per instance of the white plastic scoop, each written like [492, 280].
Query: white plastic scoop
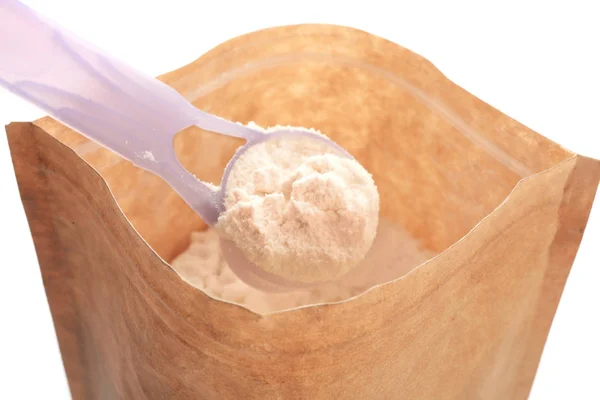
[131, 114]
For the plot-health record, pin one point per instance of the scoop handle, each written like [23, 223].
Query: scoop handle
[105, 100]
[134, 115]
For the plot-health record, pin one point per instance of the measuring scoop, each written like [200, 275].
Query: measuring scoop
[134, 115]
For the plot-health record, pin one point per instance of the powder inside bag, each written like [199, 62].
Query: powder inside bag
[393, 253]
[299, 210]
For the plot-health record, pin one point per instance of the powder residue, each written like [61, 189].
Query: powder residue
[148, 155]
[393, 254]
[300, 210]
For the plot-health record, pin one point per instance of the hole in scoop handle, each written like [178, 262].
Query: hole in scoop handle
[105, 100]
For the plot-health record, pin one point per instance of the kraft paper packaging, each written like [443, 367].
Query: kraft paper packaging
[500, 209]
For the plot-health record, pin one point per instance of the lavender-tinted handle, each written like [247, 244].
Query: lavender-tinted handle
[107, 101]
[83, 88]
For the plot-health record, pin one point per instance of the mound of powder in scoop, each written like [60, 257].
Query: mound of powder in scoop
[300, 211]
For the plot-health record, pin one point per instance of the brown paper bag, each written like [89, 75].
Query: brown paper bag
[501, 207]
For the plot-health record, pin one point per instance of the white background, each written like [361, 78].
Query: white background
[536, 61]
